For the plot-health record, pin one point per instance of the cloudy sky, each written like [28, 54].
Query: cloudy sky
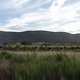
[50, 15]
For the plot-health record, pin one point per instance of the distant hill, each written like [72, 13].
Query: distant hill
[39, 36]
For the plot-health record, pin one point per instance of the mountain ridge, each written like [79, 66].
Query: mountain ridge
[39, 36]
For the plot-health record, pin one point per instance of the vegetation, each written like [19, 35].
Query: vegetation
[39, 36]
[39, 67]
[40, 47]
[32, 66]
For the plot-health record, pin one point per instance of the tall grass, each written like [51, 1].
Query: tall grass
[39, 67]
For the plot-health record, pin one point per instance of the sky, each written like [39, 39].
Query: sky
[49, 15]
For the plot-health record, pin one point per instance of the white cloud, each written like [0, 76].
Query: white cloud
[56, 18]
[66, 13]
[15, 4]
[18, 3]
[57, 4]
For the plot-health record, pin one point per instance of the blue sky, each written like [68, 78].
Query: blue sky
[49, 15]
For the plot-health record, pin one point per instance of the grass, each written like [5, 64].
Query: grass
[39, 67]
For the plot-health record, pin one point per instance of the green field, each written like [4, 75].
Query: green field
[32, 66]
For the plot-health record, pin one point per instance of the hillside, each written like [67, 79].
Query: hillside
[39, 36]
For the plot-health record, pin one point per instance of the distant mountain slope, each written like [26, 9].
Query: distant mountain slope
[39, 36]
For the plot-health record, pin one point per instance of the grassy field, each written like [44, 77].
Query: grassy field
[39, 65]
[40, 47]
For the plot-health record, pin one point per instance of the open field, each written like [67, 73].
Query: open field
[76, 53]
[42, 65]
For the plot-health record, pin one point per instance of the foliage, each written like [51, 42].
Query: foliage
[40, 47]
[33, 67]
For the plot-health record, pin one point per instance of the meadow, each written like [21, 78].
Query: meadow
[57, 65]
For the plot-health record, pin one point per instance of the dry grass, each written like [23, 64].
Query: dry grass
[45, 52]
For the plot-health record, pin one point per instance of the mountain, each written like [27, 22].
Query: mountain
[39, 36]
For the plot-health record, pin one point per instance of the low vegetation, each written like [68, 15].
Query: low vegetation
[39, 67]
[40, 47]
